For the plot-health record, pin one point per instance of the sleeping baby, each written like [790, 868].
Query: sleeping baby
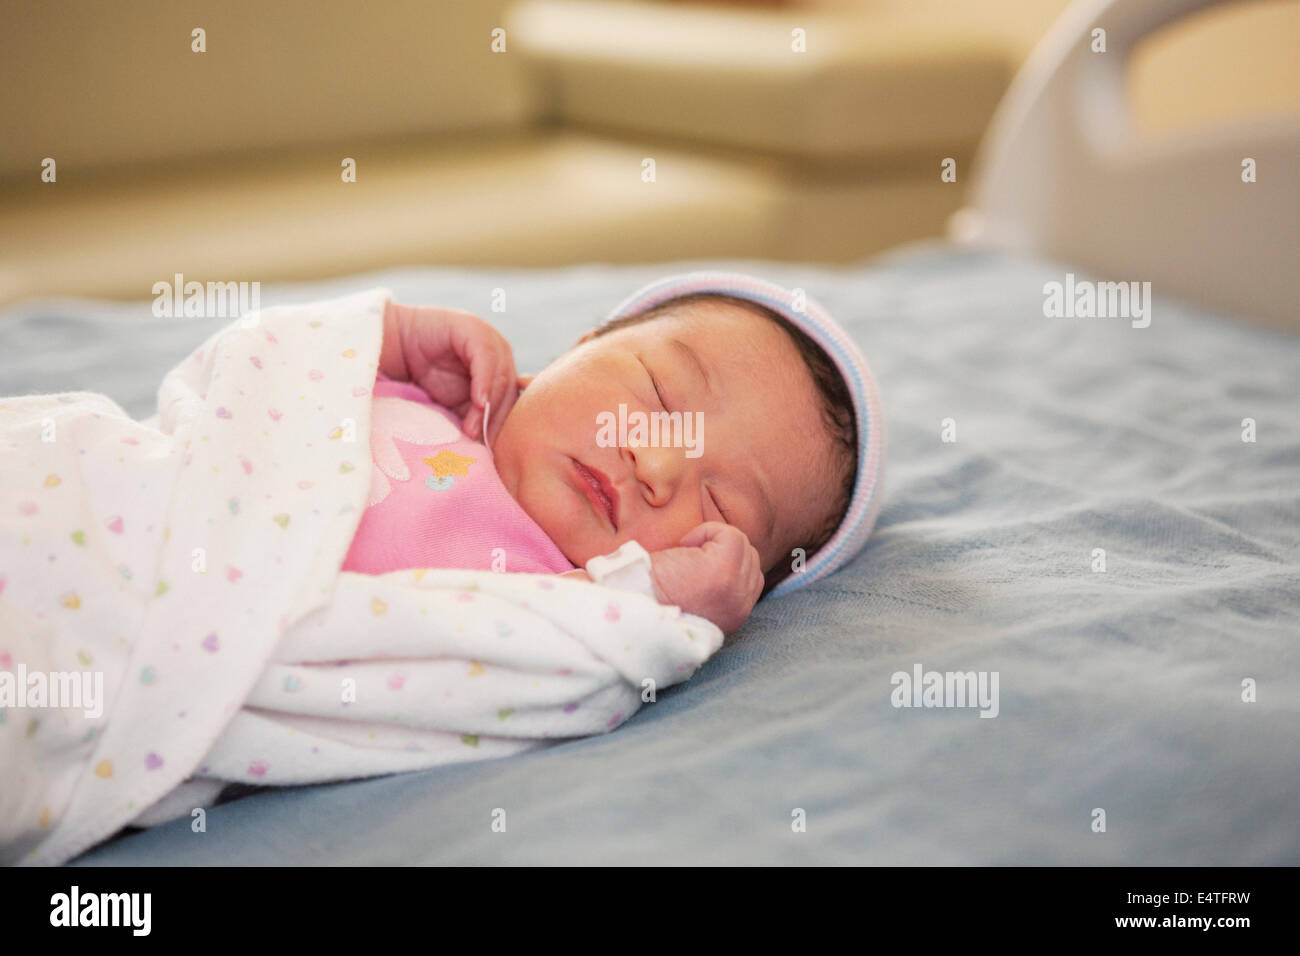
[768, 450]
[173, 616]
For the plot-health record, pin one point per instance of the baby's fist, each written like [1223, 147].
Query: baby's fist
[714, 573]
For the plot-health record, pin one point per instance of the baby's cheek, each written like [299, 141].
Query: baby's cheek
[659, 532]
[562, 518]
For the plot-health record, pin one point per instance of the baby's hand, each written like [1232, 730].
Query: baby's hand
[460, 360]
[715, 573]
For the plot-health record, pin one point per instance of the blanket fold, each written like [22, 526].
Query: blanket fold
[190, 563]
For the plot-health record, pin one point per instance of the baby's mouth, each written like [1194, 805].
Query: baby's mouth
[598, 490]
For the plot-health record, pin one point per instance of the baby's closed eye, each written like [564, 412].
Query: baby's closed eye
[654, 381]
[716, 506]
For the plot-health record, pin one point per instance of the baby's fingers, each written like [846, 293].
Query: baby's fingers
[504, 392]
[497, 397]
[755, 578]
[702, 534]
[491, 367]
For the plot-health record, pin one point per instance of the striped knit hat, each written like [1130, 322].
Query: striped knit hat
[813, 320]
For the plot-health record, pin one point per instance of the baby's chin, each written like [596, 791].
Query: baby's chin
[558, 512]
[578, 552]
[543, 490]
[577, 544]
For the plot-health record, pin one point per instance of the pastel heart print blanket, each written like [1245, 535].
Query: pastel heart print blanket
[173, 616]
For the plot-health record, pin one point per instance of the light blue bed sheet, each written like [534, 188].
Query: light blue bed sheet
[1120, 691]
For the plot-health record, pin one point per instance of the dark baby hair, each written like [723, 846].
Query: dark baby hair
[837, 409]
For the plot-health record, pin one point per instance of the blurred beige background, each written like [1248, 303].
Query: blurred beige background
[225, 165]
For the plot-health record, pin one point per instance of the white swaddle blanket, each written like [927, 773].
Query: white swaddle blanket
[187, 568]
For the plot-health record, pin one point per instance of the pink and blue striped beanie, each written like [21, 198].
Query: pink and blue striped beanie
[813, 320]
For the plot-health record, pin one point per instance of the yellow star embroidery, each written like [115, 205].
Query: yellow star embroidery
[447, 463]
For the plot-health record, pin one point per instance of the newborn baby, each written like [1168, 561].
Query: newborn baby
[192, 559]
[478, 467]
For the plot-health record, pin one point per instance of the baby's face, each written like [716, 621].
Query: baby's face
[763, 462]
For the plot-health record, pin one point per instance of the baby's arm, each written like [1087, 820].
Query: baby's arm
[714, 573]
[459, 359]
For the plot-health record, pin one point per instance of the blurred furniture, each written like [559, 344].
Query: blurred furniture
[225, 165]
[1210, 215]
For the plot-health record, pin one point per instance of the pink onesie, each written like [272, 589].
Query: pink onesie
[436, 500]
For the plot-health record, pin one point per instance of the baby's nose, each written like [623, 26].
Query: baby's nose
[659, 470]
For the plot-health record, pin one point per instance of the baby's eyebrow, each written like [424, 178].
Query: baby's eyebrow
[693, 358]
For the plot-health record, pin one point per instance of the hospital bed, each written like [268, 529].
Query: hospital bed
[1098, 530]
